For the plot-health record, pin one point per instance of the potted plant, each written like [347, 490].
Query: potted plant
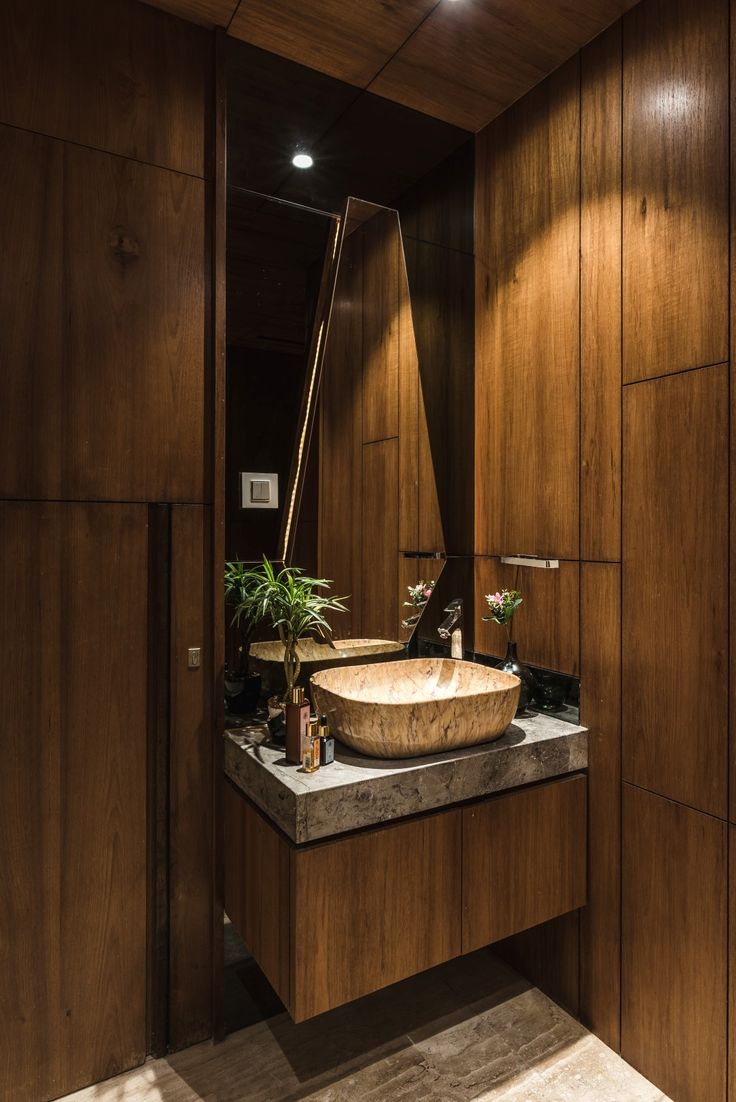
[242, 687]
[293, 603]
[502, 607]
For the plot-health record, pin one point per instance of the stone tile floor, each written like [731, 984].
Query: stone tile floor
[468, 1030]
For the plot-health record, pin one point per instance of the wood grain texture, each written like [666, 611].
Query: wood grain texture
[349, 41]
[381, 340]
[546, 625]
[218, 231]
[600, 302]
[675, 179]
[467, 64]
[257, 898]
[210, 13]
[441, 282]
[527, 325]
[98, 74]
[380, 527]
[73, 800]
[112, 404]
[524, 860]
[191, 963]
[731, 971]
[675, 587]
[395, 879]
[673, 1027]
[600, 712]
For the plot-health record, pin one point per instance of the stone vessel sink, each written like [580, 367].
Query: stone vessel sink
[268, 658]
[417, 706]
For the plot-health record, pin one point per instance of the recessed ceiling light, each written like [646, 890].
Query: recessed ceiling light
[302, 160]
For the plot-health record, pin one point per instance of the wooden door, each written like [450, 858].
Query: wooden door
[74, 637]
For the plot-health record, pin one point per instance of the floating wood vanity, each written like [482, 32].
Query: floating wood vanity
[369, 871]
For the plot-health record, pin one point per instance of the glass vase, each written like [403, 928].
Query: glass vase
[511, 664]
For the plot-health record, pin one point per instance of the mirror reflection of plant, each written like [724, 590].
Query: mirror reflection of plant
[290, 600]
[502, 607]
[419, 594]
[239, 583]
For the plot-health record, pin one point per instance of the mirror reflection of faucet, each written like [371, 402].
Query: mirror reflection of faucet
[452, 627]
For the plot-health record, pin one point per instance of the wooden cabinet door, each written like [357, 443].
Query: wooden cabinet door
[372, 909]
[674, 1006]
[524, 860]
[74, 641]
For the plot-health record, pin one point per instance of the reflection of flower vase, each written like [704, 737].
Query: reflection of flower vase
[512, 665]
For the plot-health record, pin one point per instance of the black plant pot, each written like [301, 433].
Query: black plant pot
[511, 664]
[242, 695]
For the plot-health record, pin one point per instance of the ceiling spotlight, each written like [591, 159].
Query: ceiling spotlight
[302, 160]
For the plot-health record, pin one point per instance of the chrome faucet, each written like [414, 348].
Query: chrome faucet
[452, 627]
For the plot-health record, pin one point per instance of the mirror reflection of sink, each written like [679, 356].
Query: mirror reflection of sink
[417, 706]
[267, 658]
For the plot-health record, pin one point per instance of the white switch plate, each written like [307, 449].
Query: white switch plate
[254, 486]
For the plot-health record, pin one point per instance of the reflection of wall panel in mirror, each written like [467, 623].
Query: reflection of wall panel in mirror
[340, 441]
[527, 324]
[371, 494]
[441, 285]
[381, 326]
[546, 625]
[675, 186]
[379, 582]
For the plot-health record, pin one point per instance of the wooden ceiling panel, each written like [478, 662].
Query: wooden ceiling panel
[471, 60]
[348, 39]
[210, 13]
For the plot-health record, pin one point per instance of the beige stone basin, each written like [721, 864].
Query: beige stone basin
[417, 706]
[268, 658]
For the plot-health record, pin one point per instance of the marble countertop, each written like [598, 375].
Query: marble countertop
[356, 791]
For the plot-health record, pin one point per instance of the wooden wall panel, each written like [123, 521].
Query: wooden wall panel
[382, 266]
[600, 300]
[600, 711]
[546, 627]
[105, 365]
[675, 181]
[675, 587]
[73, 628]
[414, 869]
[117, 76]
[673, 1026]
[527, 324]
[191, 962]
[31, 313]
[380, 528]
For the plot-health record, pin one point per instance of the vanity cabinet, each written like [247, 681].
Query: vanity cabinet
[333, 920]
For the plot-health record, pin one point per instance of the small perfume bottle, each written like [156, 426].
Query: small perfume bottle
[297, 725]
[311, 760]
[326, 743]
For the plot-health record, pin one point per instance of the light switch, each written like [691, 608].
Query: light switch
[259, 490]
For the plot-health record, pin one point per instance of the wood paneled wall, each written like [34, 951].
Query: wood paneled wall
[105, 388]
[603, 437]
